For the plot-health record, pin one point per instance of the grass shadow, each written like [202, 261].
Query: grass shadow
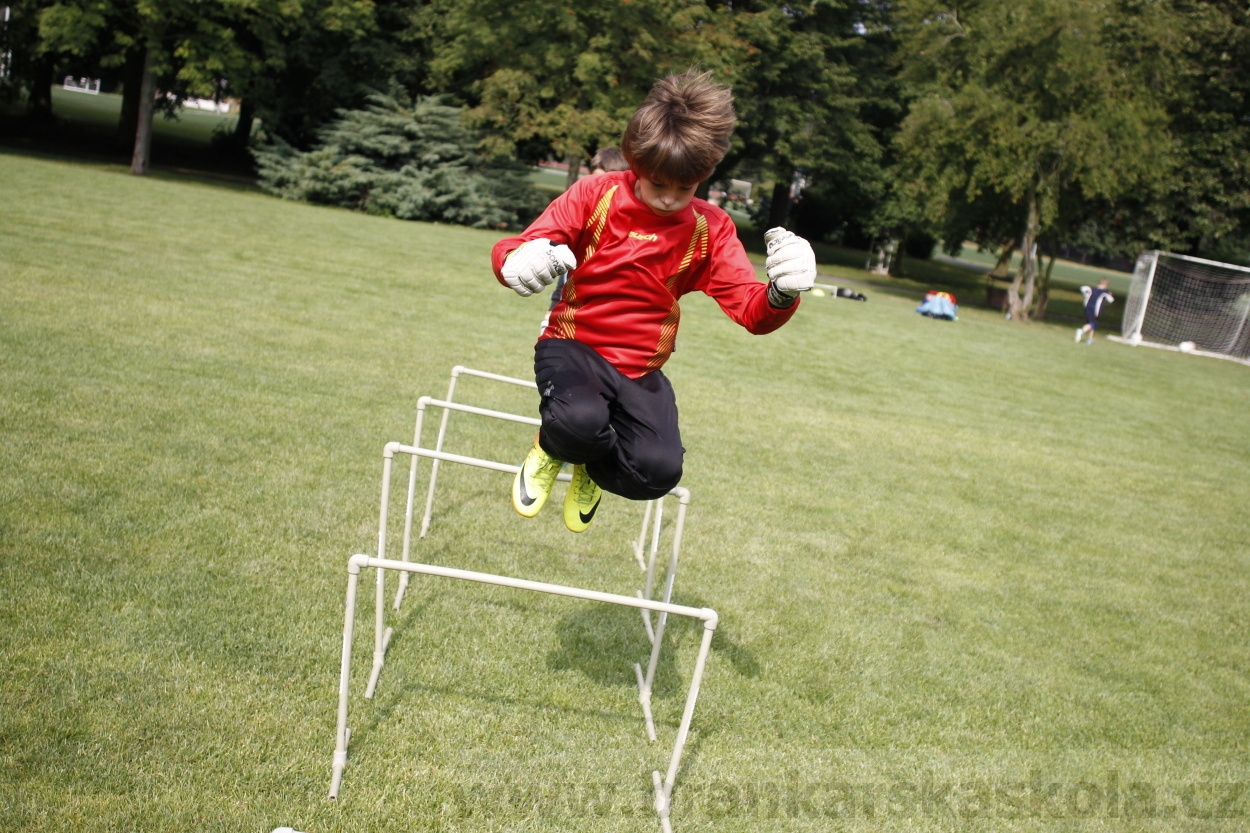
[598, 642]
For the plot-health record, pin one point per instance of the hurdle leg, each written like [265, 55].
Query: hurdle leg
[408, 508]
[403, 577]
[639, 546]
[664, 793]
[646, 621]
[381, 633]
[655, 546]
[661, 803]
[678, 527]
[342, 733]
[645, 681]
[438, 446]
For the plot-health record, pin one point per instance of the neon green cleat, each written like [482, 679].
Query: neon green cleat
[581, 501]
[534, 481]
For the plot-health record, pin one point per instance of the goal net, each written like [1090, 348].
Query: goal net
[1177, 299]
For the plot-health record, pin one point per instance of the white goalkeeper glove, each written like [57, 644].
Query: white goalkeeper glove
[536, 264]
[791, 263]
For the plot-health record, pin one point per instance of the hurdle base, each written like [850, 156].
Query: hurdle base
[340, 763]
[661, 802]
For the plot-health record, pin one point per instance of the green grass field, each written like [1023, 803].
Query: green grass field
[101, 112]
[1066, 272]
[915, 277]
[971, 576]
[549, 181]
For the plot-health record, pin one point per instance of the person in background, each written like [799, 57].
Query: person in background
[1094, 299]
[608, 159]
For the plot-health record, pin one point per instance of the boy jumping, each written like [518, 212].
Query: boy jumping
[638, 240]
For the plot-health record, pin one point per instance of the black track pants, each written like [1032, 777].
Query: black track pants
[624, 430]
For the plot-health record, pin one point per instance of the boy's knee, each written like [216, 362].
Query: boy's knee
[585, 416]
[645, 477]
[575, 432]
[658, 473]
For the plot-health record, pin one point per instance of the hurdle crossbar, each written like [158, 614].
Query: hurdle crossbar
[663, 788]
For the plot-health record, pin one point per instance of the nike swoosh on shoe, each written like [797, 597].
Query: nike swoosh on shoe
[526, 500]
[587, 518]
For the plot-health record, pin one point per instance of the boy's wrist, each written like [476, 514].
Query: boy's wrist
[778, 299]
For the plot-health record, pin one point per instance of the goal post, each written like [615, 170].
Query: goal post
[1179, 299]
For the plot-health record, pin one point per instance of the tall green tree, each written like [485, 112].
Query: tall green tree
[159, 40]
[28, 67]
[183, 48]
[1194, 57]
[547, 77]
[1018, 100]
[815, 94]
[243, 43]
[327, 56]
[1190, 56]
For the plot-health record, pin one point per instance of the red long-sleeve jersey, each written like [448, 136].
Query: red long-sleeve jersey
[632, 267]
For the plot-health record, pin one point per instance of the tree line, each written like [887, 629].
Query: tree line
[1107, 125]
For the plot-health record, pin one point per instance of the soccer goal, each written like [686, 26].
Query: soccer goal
[1190, 304]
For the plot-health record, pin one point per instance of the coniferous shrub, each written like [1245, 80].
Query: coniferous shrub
[414, 160]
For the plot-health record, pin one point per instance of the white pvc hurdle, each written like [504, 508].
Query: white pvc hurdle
[382, 634]
[653, 512]
[663, 789]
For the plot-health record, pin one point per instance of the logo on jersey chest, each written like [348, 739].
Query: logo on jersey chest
[637, 235]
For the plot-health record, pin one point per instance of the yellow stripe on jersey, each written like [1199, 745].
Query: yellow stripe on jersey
[598, 221]
[698, 239]
[668, 338]
[562, 323]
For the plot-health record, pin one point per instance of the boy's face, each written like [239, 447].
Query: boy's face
[663, 198]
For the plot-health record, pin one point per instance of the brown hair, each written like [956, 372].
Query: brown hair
[681, 132]
[608, 159]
